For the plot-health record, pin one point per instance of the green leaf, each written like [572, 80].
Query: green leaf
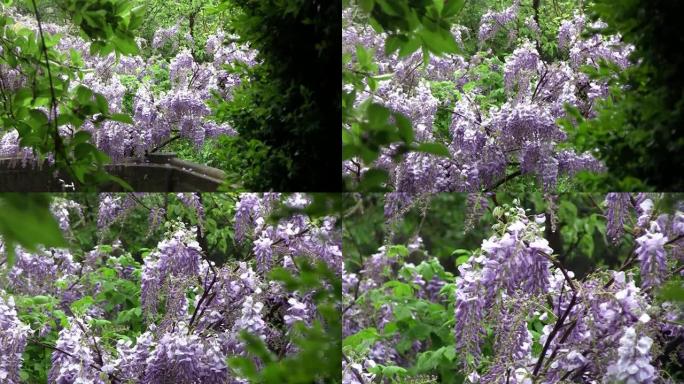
[23, 96]
[461, 260]
[63, 320]
[364, 56]
[433, 148]
[81, 137]
[366, 5]
[101, 103]
[392, 43]
[76, 59]
[439, 5]
[408, 46]
[41, 299]
[452, 7]
[430, 360]
[672, 291]
[257, 347]
[26, 220]
[368, 335]
[243, 366]
[397, 250]
[460, 251]
[122, 118]
[439, 41]
[83, 94]
[567, 211]
[450, 353]
[96, 47]
[405, 128]
[378, 115]
[373, 180]
[586, 244]
[100, 322]
[38, 120]
[126, 46]
[84, 150]
[81, 306]
[393, 370]
[399, 289]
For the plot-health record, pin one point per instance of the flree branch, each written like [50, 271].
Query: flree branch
[556, 328]
[208, 296]
[629, 261]
[356, 373]
[504, 180]
[114, 379]
[205, 294]
[59, 145]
